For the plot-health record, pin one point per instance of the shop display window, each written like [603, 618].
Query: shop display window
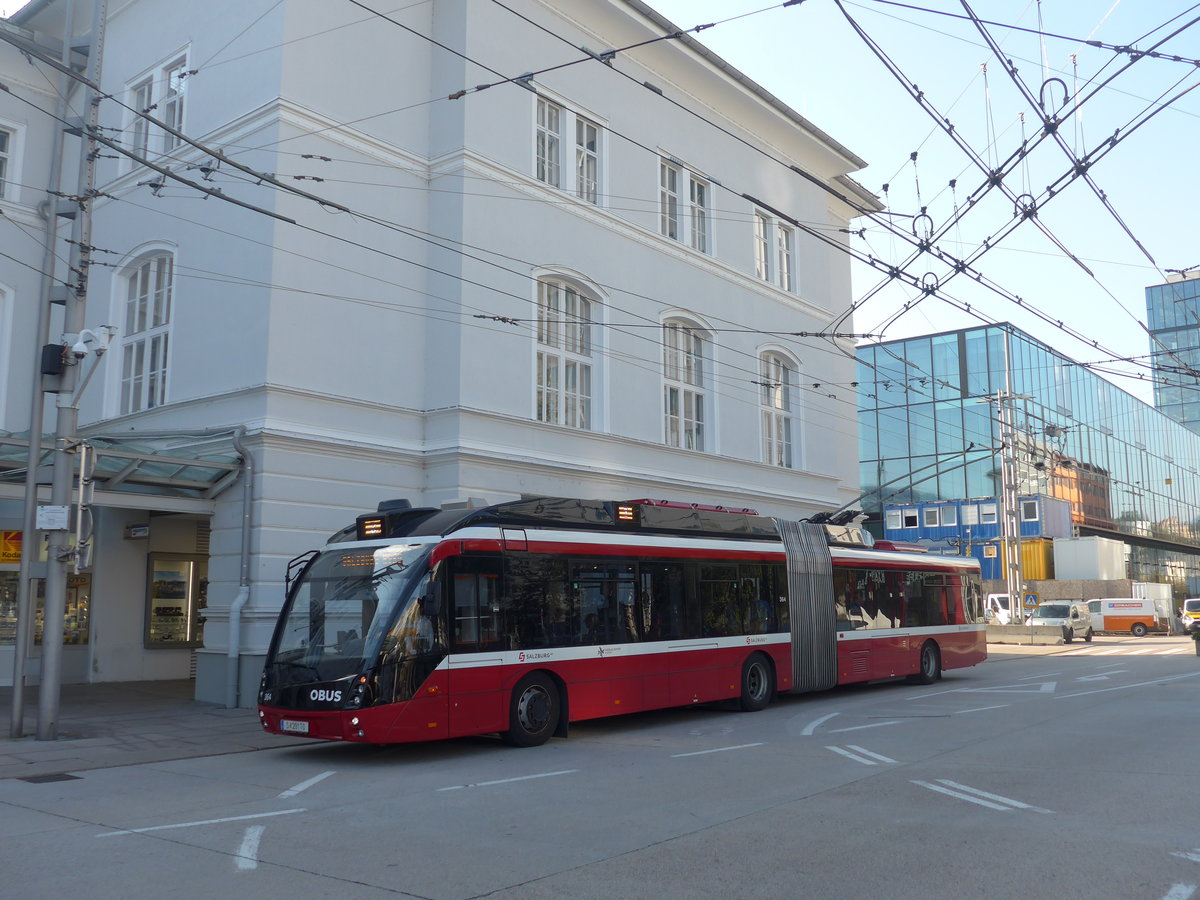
[76, 622]
[176, 593]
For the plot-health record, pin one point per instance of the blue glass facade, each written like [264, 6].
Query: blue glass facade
[1173, 316]
[927, 432]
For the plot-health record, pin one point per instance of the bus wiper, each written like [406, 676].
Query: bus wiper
[388, 570]
[296, 664]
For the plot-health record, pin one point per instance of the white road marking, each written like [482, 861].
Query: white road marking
[950, 793]
[861, 759]
[716, 750]
[459, 787]
[982, 798]
[304, 785]
[285, 812]
[1141, 652]
[247, 855]
[1044, 687]
[936, 693]
[865, 751]
[1194, 856]
[1180, 892]
[978, 793]
[1092, 678]
[1046, 675]
[1124, 687]
[860, 727]
[812, 726]
[982, 708]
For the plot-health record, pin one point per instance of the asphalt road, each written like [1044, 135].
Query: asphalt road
[1070, 774]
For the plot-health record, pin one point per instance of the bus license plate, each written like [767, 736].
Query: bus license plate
[293, 726]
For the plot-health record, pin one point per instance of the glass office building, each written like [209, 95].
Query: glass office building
[1173, 316]
[928, 430]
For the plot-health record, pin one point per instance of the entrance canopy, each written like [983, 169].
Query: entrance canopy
[179, 473]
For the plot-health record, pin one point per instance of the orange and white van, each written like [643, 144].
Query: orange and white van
[1126, 614]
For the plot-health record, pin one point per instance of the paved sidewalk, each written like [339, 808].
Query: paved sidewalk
[122, 724]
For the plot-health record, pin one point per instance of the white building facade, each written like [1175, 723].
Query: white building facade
[590, 282]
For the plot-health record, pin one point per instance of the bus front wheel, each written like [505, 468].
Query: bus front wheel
[931, 665]
[758, 683]
[533, 713]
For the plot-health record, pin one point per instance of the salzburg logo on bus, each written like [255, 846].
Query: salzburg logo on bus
[321, 694]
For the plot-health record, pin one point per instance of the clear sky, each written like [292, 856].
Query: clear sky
[810, 56]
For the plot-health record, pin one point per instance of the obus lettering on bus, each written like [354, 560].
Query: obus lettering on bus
[321, 694]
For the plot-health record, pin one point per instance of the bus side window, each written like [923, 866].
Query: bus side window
[474, 602]
[719, 600]
[664, 606]
[757, 611]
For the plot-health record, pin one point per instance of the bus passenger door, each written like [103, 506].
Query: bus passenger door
[476, 699]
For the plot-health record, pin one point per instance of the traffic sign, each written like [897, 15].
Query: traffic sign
[1031, 599]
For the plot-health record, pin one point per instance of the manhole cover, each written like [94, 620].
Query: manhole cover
[46, 779]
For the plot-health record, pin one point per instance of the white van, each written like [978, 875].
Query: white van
[1072, 616]
[996, 609]
[1134, 615]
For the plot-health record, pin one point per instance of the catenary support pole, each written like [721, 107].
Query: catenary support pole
[65, 438]
[29, 535]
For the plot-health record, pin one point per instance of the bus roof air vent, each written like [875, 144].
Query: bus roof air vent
[386, 506]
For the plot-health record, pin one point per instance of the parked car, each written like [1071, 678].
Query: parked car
[1072, 616]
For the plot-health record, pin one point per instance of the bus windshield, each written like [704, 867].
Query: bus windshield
[344, 606]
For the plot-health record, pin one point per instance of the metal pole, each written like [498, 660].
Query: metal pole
[65, 439]
[29, 534]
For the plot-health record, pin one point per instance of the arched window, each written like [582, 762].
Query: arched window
[148, 293]
[778, 388]
[564, 355]
[685, 347]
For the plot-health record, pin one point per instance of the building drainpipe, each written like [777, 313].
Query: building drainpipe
[234, 659]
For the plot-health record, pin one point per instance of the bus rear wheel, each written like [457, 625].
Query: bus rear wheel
[1138, 629]
[533, 713]
[931, 665]
[758, 683]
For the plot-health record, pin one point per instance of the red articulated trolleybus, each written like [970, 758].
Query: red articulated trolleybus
[519, 618]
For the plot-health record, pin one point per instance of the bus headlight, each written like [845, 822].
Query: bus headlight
[358, 696]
